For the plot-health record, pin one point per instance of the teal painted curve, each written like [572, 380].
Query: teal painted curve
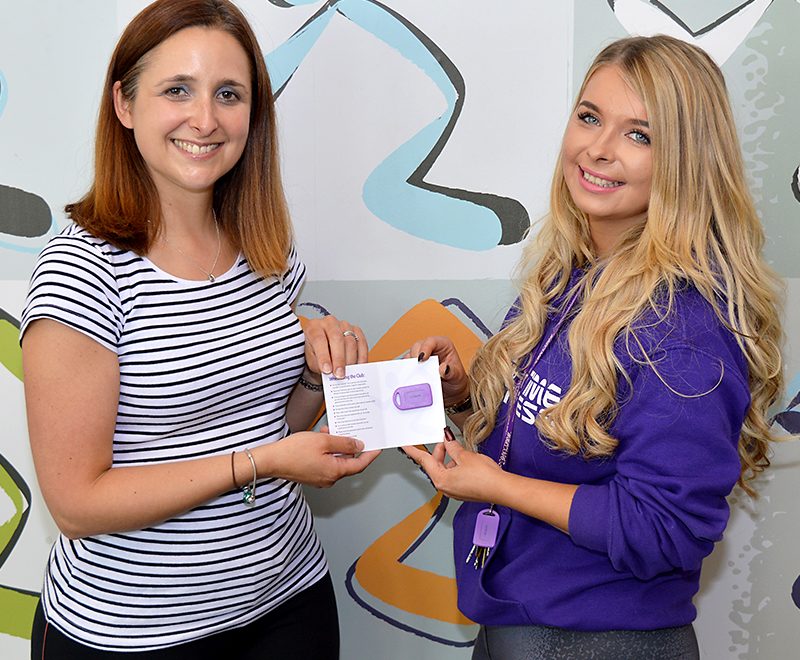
[3, 93]
[396, 191]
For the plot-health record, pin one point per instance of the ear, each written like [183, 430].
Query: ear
[122, 106]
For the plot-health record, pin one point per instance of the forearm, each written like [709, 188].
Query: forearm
[547, 501]
[474, 477]
[305, 402]
[126, 498]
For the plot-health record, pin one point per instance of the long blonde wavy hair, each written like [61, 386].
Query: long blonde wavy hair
[701, 227]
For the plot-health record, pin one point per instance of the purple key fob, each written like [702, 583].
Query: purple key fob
[413, 396]
[485, 533]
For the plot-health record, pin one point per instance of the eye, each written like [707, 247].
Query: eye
[588, 118]
[175, 92]
[228, 95]
[639, 137]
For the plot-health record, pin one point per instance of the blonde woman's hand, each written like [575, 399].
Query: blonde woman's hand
[455, 383]
[458, 472]
[332, 343]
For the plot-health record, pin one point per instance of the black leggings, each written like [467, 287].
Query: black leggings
[546, 643]
[305, 626]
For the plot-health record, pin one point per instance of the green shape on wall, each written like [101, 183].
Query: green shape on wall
[17, 608]
[9, 529]
[10, 352]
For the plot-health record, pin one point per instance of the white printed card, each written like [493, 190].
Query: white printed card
[387, 404]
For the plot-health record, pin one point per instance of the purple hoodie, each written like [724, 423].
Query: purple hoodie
[641, 520]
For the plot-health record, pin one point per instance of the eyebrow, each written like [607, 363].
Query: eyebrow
[183, 77]
[594, 108]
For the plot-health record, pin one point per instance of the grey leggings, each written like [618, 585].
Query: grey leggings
[545, 643]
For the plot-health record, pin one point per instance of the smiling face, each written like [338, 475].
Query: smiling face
[191, 111]
[606, 157]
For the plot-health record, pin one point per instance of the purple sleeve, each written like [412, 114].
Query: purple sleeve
[677, 461]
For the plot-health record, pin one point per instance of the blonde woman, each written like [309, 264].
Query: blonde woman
[628, 390]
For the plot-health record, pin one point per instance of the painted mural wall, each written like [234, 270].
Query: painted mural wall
[418, 140]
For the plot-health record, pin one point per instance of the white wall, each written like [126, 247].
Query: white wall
[363, 90]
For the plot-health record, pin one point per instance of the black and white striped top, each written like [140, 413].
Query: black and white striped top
[205, 368]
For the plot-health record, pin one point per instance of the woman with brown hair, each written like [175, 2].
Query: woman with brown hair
[629, 388]
[168, 381]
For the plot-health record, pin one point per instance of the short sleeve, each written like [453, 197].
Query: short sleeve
[73, 283]
[294, 276]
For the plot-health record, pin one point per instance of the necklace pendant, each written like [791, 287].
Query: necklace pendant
[208, 273]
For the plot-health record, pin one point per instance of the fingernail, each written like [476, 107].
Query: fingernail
[359, 446]
[448, 434]
[447, 369]
[340, 372]
[326, 368]
[420, 357]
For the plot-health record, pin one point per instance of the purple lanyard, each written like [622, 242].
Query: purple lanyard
[487, 521]
[501, 461]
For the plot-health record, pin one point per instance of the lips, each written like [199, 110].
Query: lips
[600, 181]
[196, 149]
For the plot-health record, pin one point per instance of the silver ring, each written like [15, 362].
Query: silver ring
[350, 333]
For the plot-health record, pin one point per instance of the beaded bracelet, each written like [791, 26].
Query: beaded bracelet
[460, 407]
[313, 387]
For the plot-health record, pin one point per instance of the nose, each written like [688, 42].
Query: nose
[602, 147]
[203, 116]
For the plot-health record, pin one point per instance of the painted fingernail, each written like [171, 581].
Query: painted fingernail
[420, 357]
[448, 434]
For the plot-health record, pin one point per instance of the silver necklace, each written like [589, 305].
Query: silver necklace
[208, 273]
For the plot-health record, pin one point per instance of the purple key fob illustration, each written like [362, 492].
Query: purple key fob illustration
[485, 533]
[413, 396]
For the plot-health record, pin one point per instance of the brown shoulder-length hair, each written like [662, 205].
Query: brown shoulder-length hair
[122, 205]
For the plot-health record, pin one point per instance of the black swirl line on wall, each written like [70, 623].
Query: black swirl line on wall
[662, 7]
[23, 214]
[25, 490]
[5, 316]
[513, 217]
[789, 419]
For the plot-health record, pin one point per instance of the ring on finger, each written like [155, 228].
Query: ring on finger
[350, 333]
